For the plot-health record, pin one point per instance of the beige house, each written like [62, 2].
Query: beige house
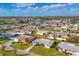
[25, 38]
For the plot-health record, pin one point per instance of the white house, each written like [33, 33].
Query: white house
[46, 43]
[41, 32]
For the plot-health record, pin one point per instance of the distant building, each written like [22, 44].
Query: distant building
[46, 43]
[26, 31]
[41, 32]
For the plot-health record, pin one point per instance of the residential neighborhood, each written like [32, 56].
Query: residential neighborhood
[39, 36]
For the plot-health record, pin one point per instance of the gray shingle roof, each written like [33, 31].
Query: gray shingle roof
[46, 42]
[68, 47]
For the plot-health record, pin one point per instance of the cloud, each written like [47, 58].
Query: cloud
[58, 5]
[44, 8]
[20, 5]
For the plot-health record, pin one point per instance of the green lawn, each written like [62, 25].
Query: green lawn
[40, 50]
[2, 41]
[6, 53]
[16, 46]
[21, 45]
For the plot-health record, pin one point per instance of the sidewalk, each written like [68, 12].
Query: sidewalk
[29, 48]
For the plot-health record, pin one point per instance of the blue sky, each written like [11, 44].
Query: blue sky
[39, 9]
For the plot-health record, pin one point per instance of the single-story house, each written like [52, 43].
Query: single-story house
[9, 35]
[46, 43]
[68, 48]
[72, 29]
[41, 32]
[24, 38]
[26, 31]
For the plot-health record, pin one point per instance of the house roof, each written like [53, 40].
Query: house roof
[28, 37]
[44, 42]
[69, 47]
[9, 35]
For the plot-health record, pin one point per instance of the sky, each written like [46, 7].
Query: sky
[39, 9]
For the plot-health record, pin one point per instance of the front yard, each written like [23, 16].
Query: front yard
[20, 45]
[40, 50]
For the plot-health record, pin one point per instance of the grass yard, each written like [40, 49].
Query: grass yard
[21, 45]
[6, 53]
[40, 50]
[2, 41]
